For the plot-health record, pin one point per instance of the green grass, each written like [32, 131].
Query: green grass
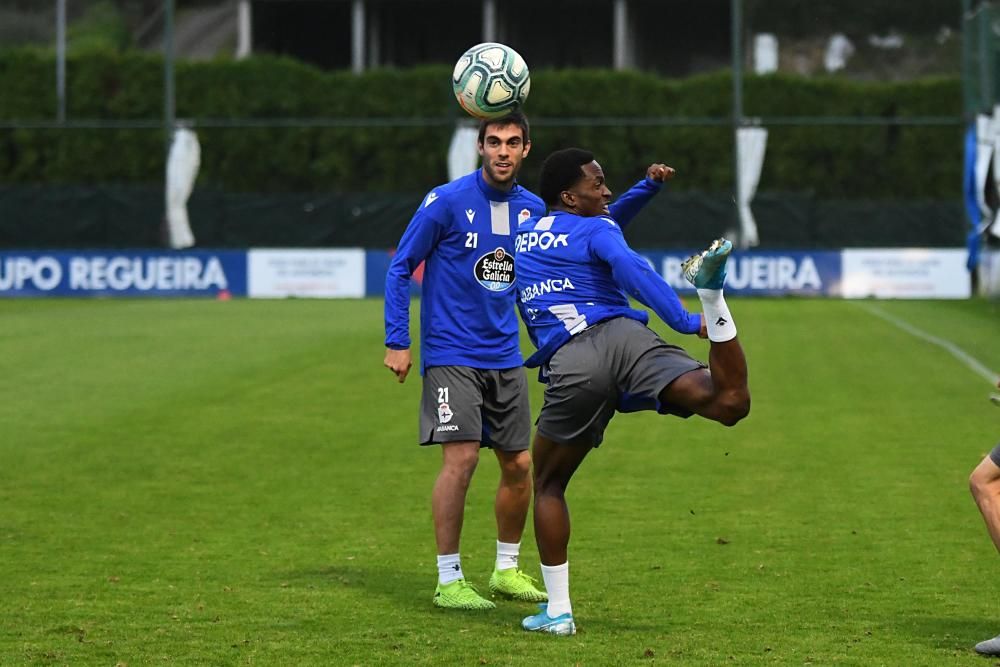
[201, 482]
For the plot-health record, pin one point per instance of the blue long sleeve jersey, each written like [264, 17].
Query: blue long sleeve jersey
[465, 232]
[467, 315]
[573, 272]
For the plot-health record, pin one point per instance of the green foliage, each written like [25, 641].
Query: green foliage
[194, 482]
[356, 149]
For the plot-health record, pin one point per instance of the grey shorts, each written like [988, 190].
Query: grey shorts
[462, 404]
[618, 365]
[995, 455]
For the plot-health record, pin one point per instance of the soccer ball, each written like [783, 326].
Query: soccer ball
[490, 80]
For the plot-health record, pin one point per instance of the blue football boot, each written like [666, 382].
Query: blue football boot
[707, 269]
[542, 622]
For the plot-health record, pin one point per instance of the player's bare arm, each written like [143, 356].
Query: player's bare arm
[660, 173]
[399, 362]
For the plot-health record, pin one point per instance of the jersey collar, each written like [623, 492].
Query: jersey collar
[491, 192]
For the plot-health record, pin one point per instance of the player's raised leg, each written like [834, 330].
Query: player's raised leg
[721, 393]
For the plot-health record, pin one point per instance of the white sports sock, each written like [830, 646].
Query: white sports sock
[449, 568]
[507, 554]
[556, 578]
[718, 320]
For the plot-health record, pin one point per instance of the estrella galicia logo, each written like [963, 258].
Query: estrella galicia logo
[495, 270]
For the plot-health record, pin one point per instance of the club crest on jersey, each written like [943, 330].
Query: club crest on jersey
[495, 270]
[523, 215]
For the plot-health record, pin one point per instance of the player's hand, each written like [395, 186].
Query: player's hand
[399, 362]
[703, 332]
[660, 172]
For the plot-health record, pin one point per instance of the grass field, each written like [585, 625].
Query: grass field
[216, 483]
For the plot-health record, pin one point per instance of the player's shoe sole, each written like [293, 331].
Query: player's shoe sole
[516, 585]
[707, 269]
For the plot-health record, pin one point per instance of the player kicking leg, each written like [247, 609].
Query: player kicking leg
[721, 393]
[653, 375]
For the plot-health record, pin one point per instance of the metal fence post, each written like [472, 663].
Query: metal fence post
[736, 31]
[358, 36]
[61, 61]
[169, 101]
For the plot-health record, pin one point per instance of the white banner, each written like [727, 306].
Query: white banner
[984, 157]
[989, 273]
[905, 274]
[752, 146]
[463, 153]
[273, 274]
[183, 161]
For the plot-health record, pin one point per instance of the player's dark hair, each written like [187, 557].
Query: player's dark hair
[513, 118]
[560, 171]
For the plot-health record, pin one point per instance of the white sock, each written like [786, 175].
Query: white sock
[556, 578]
[507, 554]
[449, 568]
[718, 320]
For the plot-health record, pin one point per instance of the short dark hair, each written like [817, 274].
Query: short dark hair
[513, 118]
[560, 171]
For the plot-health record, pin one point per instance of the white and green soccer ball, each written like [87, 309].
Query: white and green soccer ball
[490, 80]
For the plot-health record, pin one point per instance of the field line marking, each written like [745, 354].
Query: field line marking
[971, 362]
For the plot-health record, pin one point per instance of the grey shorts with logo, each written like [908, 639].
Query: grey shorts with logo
[462, 404]
[617, 365]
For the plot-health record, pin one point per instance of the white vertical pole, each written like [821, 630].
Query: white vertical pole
[244, 30]
[61, 60]
[489, 20]
[374, 38]
[620, 35]
[358, 36]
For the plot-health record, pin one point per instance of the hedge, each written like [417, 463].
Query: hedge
[894, 162]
